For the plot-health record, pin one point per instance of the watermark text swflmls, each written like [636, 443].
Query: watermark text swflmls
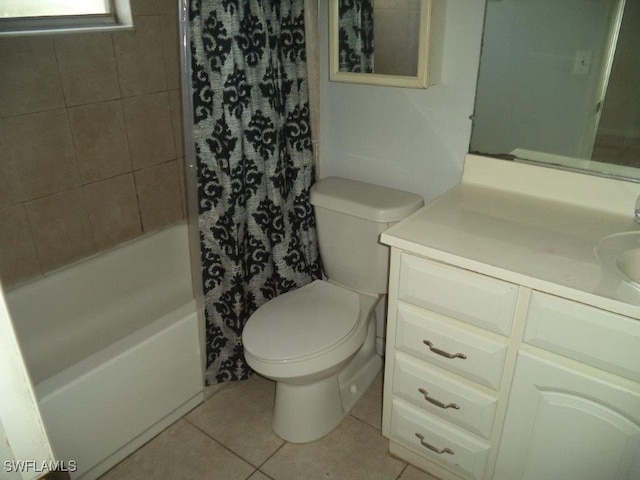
[45, 466]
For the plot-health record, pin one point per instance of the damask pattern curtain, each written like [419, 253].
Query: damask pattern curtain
[255, 165]
[355, 42]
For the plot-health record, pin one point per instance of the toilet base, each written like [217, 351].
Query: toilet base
[306, 412]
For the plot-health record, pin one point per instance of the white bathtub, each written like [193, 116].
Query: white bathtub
[112, 346]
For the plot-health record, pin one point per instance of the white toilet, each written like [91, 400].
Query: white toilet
[318, 343]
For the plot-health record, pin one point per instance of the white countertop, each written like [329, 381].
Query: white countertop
[510, 221]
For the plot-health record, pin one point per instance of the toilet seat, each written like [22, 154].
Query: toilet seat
[303, 324]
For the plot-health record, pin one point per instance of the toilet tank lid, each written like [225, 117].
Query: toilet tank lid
[364, 200]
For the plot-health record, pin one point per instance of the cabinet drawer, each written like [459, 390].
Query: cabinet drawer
[596, 337]
[483, 358]
[443, 395]
[419, 430]
[481, 301]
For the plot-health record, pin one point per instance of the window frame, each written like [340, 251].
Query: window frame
[120, 18]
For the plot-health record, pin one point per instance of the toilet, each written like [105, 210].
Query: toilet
[318, 343]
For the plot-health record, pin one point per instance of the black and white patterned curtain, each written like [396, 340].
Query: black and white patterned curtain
[255, 165]
[355, 39]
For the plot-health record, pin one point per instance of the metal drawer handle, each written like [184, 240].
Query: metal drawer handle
[437, 402]
[442, 352]
[431, 447]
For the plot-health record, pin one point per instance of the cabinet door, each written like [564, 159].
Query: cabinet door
[564, 424]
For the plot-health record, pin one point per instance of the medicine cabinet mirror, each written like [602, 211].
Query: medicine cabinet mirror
[382, 42]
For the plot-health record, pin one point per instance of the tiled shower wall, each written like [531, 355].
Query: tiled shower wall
[91, 151]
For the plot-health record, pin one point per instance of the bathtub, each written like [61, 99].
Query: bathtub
[113, 349]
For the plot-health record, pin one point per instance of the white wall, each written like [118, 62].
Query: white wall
[411, 139]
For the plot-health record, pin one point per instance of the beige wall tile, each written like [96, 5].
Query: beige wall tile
[100, 139]
[171, 51]
[10, 191]
[61, 228]
[87, 68]
[139, 57]
[149, 129]
[18, 257]
[39, 157]
[29, 78]
[113, 211]
[159, 196]
[154, 7]
[175, 104]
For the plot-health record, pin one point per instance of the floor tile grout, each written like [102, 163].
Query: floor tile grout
[222, 445]
[271, 456]
[322, 457]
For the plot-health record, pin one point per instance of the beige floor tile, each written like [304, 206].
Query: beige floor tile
[239, 417]
[369, 408]
[258, 475]
[354, 450]
[412, 473]
[181, 452]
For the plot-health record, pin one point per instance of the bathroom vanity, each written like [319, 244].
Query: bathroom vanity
[513, 349]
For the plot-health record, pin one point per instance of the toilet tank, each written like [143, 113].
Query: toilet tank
[350, 217]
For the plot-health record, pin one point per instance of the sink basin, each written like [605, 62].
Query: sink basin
[629, 264]
[621, 252]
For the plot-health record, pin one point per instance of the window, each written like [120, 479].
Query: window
[50, 16]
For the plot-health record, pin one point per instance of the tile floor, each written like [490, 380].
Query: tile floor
[229, 437]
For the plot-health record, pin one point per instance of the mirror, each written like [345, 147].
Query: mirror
[379, 42]
[558, 84]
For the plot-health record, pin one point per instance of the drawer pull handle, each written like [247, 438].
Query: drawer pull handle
[431, 447]
[437, 402]
[442, 352]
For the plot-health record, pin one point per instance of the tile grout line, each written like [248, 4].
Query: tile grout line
[402, 472]
[271, 456]
[222, 445]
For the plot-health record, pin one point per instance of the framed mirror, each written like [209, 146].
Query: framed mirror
[558, 85]
[381, 42]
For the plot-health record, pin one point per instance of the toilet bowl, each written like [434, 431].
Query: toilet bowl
[318, 343]
[304, 340]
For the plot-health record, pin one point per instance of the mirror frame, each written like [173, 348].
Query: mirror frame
[421, 80]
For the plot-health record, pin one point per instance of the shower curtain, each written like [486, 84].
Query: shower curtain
[355, 42]
[255, 165]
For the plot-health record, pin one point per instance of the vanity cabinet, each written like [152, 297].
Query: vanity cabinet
[447, 344]
[568, 417]
[486, 379]
[568, 424]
